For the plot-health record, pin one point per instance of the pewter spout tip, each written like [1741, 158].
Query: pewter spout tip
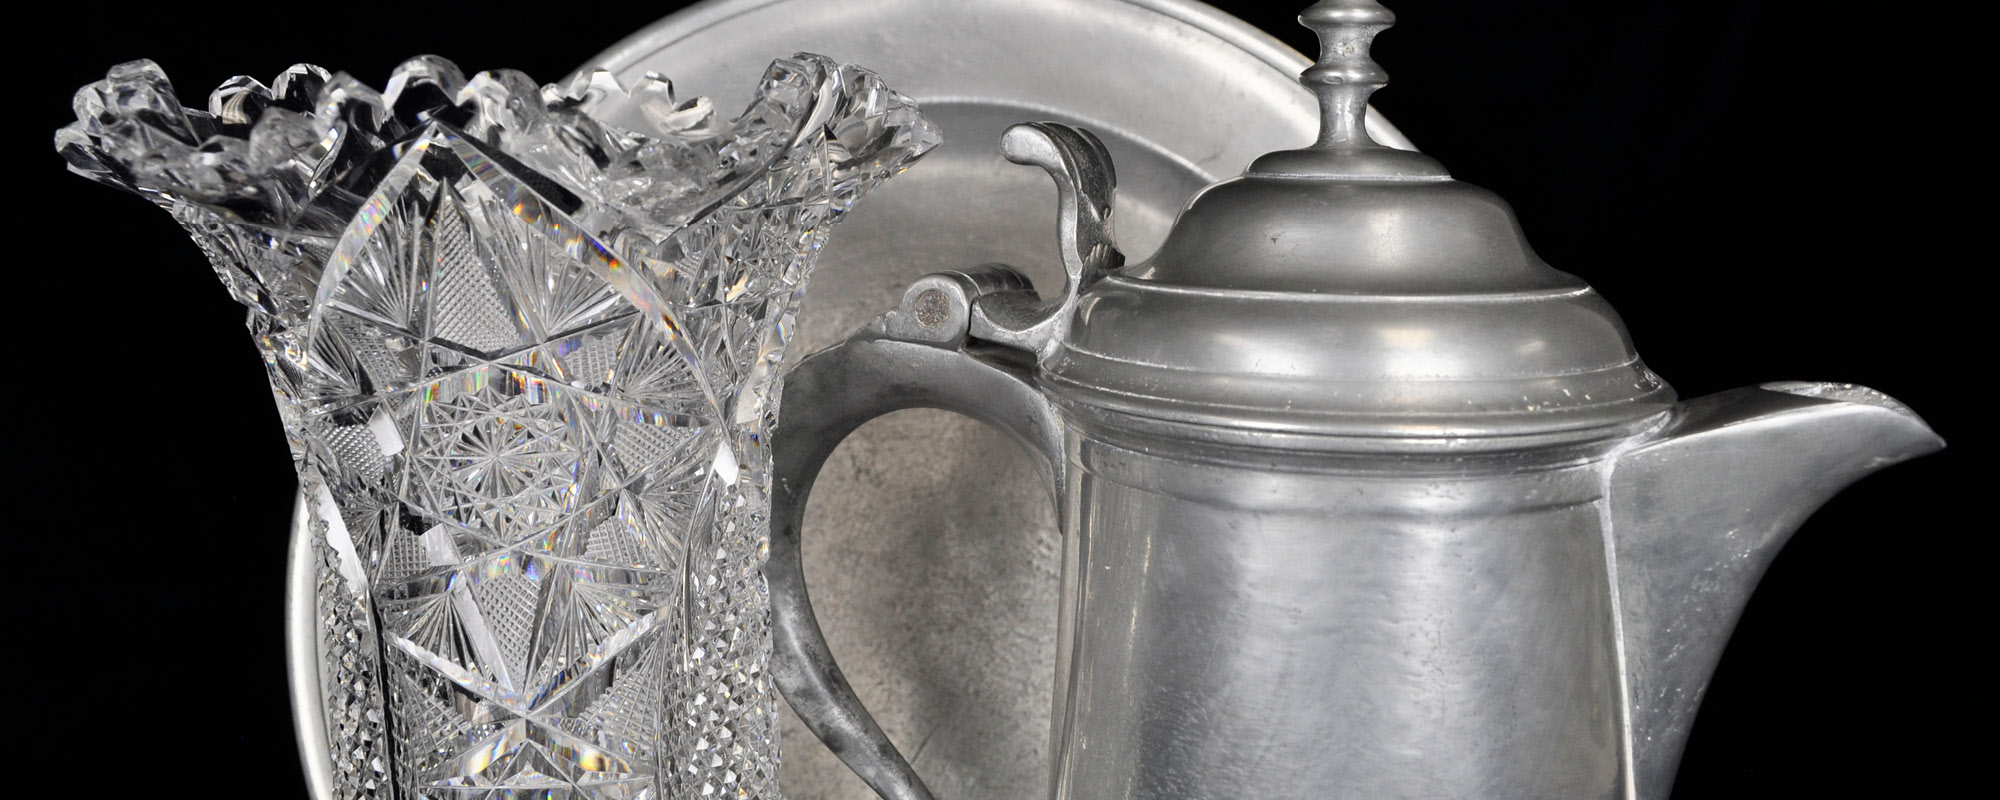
[1923, 440]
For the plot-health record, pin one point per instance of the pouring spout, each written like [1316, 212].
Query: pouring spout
[1697, 512]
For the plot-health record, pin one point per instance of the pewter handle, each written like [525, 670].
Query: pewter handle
[964, 341]
[826, 398]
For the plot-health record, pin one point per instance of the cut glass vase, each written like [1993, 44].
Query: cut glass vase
[527, 363]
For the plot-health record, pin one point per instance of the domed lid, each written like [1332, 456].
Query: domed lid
[1353, 290]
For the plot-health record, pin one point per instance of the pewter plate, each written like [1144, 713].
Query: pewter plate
[933, 552]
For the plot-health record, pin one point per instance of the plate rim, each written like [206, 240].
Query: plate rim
[1270, 50]
[709, 13]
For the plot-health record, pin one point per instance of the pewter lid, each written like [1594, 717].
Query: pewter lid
[1353, 290]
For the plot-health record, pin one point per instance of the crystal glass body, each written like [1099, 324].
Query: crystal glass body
[527, 363]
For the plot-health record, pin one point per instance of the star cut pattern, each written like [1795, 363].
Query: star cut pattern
[529, 592]
[529, 414]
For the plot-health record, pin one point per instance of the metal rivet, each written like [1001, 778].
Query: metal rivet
[932, 308]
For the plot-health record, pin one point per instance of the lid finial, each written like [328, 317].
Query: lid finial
[1345, 75]
[1343, 79]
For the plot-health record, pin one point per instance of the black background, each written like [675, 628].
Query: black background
[1760, 188]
